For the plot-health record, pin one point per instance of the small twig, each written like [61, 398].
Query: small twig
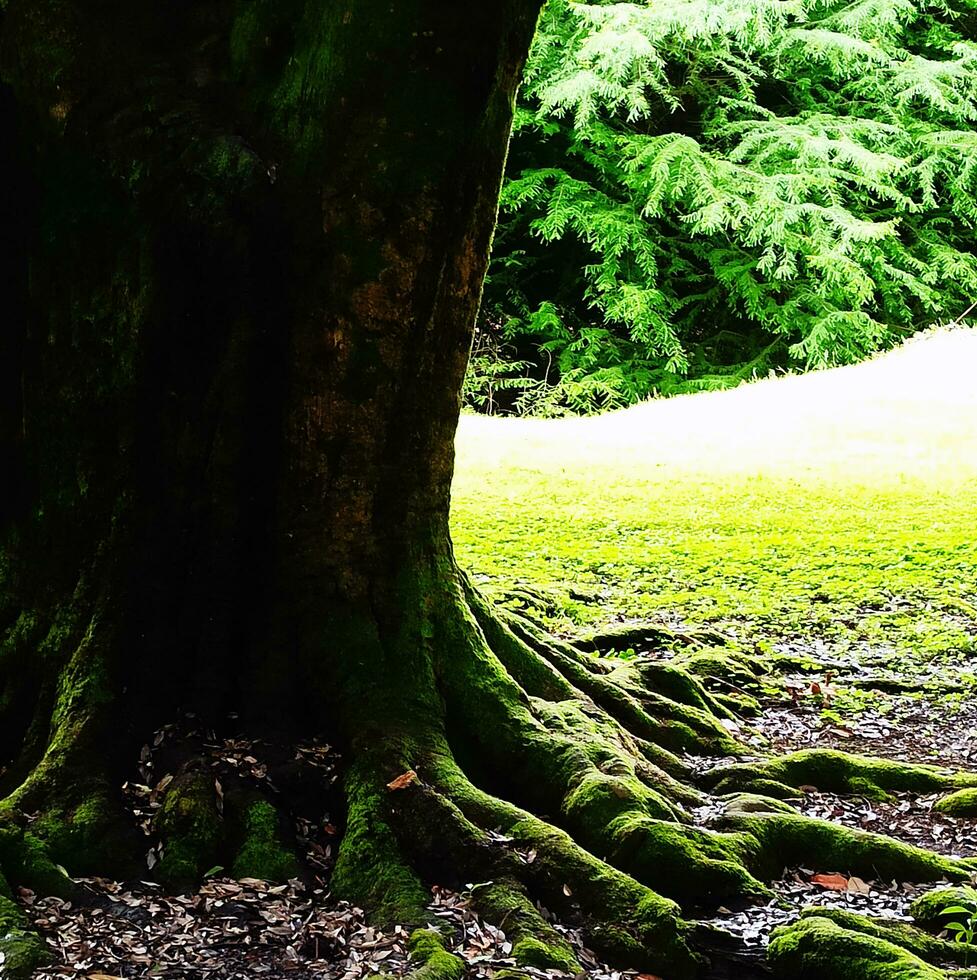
[970, 309]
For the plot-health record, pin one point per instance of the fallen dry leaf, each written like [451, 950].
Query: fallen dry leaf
[858, 885]
[833, 882]
[402, 781]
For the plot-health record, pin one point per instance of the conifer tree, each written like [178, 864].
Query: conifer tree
[700, 191]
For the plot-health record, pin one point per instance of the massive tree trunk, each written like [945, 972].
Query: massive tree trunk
[244, 249]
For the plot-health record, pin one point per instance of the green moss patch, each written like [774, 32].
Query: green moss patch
[725, 665]
[535, 942]
[688, 864]
[434, 961]
[93, 837]
[916, 941]
[793, 839]
[264, 851]
[371, 870]
[743, 803]
[192, 831]
[963, 803]
[23, 951]
[927, 909]
[26, 861]
[817, 948]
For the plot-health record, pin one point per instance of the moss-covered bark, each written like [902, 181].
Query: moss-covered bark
[914, 940]
[534, 941]
[927, 910]
[232, 351]
[192, 830]
[264, 850]
[962, 803]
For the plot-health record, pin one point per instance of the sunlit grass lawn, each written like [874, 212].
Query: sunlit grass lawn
[840, 506]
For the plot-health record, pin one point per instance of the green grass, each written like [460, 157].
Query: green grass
[839, 506]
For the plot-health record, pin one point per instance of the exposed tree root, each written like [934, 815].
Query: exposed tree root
[817, 948]
[837, 772]
[535, 726]
[962, 803]
[927, 910]
[263, 849]
[835, 944]
[203, 824]
[23, 949]
[24, 862]
[534, 941]
[544, 774]
[913, 939]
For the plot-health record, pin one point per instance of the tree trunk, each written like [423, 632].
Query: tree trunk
[256, 254]
[247, 242]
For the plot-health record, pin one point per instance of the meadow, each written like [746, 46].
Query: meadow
[836, 509]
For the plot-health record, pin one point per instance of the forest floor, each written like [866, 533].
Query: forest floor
[824, 524]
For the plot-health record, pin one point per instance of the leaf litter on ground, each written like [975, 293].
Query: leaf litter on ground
[233, 930]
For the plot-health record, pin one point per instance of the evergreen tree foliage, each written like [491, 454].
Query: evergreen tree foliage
[702, 190]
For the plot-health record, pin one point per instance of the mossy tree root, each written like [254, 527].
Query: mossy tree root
[837, 944]
[818, 948]
[57, 819]
[433, 961]
[927, 909]
[25, 862]
[539, 727]
[915, 940]
[62, 772]
[534, 941]
[23, 950]
[832, 771]
[962, 803]
[508, 857]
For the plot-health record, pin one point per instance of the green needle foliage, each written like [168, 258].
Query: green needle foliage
[705, 190]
